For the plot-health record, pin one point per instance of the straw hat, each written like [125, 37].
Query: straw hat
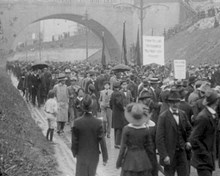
[154, 81]
[61, 77]
[137, 114]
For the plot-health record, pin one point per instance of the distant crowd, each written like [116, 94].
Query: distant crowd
[181, 116]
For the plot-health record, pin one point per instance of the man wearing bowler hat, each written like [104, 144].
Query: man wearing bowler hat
[118, 118]
[172, 135]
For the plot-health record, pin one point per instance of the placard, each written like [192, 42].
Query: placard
[179, 69]
[153, 50]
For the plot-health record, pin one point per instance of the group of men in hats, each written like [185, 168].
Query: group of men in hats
[180, 112]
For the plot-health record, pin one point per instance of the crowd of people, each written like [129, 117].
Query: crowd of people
[150, 111]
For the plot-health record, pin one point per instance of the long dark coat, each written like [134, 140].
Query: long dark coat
[155, 96]
[203, 140]
[117, 106]
[87, 137]
[166, 135]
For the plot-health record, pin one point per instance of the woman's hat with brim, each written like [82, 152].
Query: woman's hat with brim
[87, 103]
[137, 114]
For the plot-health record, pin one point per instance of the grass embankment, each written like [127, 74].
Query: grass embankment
[24, 150]
[198, 47]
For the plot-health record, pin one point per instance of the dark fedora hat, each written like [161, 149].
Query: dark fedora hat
[211, 97]
[87, 103]
[192, 79]
[106, 82]
[117, 84]
[174, 96]
[145, 82]
[124, 81]
[144, 94]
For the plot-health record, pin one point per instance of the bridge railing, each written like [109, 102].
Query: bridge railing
[70, 1]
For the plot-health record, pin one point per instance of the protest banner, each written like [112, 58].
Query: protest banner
[153, 50]
[179, 69]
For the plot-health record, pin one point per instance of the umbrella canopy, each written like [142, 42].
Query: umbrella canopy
[121, 68]
[39, 65]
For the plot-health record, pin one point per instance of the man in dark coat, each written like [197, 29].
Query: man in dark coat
[203, 137]
[155, 96]
[35, 81]
[118, 119]
[172, 135]
[87, 136]
[185, 106]
[132, 86]
[198, 106]
[127, 96]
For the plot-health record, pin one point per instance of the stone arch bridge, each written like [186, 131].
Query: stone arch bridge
[16, 15]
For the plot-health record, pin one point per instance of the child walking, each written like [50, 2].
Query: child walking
[51, 110]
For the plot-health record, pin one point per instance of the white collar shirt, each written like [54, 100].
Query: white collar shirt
[176, 117]
[212, 111]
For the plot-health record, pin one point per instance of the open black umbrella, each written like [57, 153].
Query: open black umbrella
[121, 68]
[39, 65]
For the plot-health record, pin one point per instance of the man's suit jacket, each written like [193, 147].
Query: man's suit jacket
[203, 140]
[167, 131]
[184, 106]
[155, 105]
[127, 98]
[87, 137]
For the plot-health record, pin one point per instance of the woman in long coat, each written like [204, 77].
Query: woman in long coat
[87, 137]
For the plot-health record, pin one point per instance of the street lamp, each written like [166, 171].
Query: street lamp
[86, 18]
[141, 8]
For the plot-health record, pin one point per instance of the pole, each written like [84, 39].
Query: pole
[141, 20]
[39, 46]
[87, 50]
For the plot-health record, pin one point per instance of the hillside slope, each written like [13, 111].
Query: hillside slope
[198, 47]
[24, 151]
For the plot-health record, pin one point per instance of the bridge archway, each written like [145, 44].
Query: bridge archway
[111, 44]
